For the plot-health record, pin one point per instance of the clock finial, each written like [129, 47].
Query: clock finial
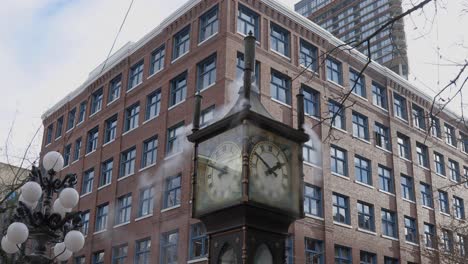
[300, 110]
[249, 64]
[196, 113]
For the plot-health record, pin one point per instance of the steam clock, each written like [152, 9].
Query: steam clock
[247, 180]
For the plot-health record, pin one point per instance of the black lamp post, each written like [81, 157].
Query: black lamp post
[47, 225]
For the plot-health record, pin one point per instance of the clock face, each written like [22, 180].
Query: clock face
[223, 171]
[269, 170]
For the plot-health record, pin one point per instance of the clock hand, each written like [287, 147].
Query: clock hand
[269, 170]
[277, 166]
[222, 170]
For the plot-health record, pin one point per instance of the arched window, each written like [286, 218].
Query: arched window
[227, 255]
[263, 255]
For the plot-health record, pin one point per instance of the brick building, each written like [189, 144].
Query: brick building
[123, 132]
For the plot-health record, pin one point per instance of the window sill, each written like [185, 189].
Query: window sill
[359, 96]
[104, 186]
[340, 175]
[386, 150]
[312, 165]
[381, 108]
[313, 117]
[445, 214]
[343, 225]
[122, 224]
[364, 184]
[143, 217]
[366, 231]
[402, 119]
[172, 155]
[113, 101]
[405, 159]
[340, 129]
[279, 102]
[363, 140]
[58, 138]
[427, 207]
[420, 129]
[107, 143]
[315, 217]
[244, 35]
[389, 237]
[197, 260]
[128, 131]
[69, 130]
[209, 86]
[450, 145]
[172, 107]
[412, 243]
[79, 123]
[170, 208]
[85, 194]
[309, 69]
[280, 54]
[100, 231]
[422, 167]
[147, 167]
[154, 73]
[454, 181]
[335, 83]
[180, 56]
[48, 144]
[125, 177]
[89, 153]
[134, 87]
[151, 119]
[387, 193]
[409, 201]
[441, 175]
[95, 113]
[75, 161]
[208, 38]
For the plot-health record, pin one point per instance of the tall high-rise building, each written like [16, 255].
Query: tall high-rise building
[374, 188]
[354, 20]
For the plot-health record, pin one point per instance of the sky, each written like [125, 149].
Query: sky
[48, 48]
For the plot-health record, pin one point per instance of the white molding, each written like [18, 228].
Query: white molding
[389, 237]
[387, 193]
[313, 117]
[427, 207]
[155, 73]
[339, 129]
[147, 167]
[209, 86]
[315, 217]
[143, 217]
[335, 83]
[364, 184]
[105, 185]
[308, 69]
[343, 225]
[311, 165]
[89, 153]
[411, 243]
[366, 231]
[134, 87]
[379, 107]
[128, 131]
[279, 102]
[58, 138]
[340, 176]
[197, 260]
[182, 55]
[107, 143]
[386, 150]
[69, 130]
[210, 37]
[445, 214]
[85, 194]
[172, 107]
[113, 101]
[280, 54]
[363, 140]
[170, 208]
[95, 113]
[100, 231]
[173, 155]
[122, 224]
[125, 177]
[409, 201]
[405, 159]
[149, 120]
[440, 175]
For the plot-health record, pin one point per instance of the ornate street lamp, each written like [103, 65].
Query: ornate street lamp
[49, 225]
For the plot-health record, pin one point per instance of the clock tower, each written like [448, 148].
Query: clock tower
[247, 185]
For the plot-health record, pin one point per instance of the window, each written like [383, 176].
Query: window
[279, 39]
[450, 137]
[341, 209]
[388, 260]
[404, 149]
[207, 116]
[50, 130]
[289, 249]
[153, 104]
[131, 117]
[58, 131]
[114, 89]
[82, 113]
[96, 101]
[248, 21]
[343, 255]
[310, 153]
[385, 179]
[360, 126]
[465, 176]
[87, 184]
[444, 202]
[206, 73]
[399, 106]
[458, 207]
[172, 192]
[123, 209]
[143, 251]
[429, 233]
[198, 241]
[169, 247]
[379, 95]
[435, 127]
[446, 240]
[101, 217]
[66, 154]
[368, 258]
[135, 76]
[407, 190]
[419, 120]
[422, 154]
[311, 101]
[280, 87]
[334, 71]
[357, 83]
[106, 172]
[426, 194]
[308, 56]
[85, 222]
[362, 170]
[119, 254]
[98, 257]
[240, 70]
[111, 129]
[464, 142]
[314, 251]
[175, 139]
[92, 140]
[439, 163]
[339, 161]
[312, 200]
[150, 151]
[181, 43]
[411, 233]
[79, 260]
[454, 170]
[146, 201]
[389, 227]
[77, 151]
[337, 114]
[209, 24]
[382, 136]
[157, 60]
[71, 119]
[460, 241]
[178, 89]
[365, 216]
[127, 162]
